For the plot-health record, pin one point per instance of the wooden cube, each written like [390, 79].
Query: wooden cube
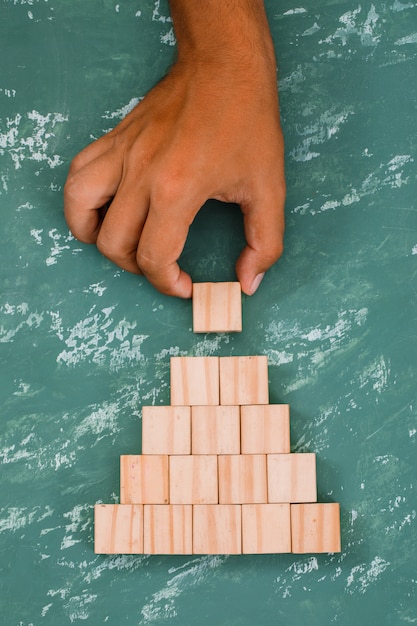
[168, 529]
[244, 380]
[193, 479]
[292, 477]
[118, 529]
[315, 528]
[217, 307]
[265, 428]
[194, 380]
[217, 529]
[242, 479]
[215, 430]
[144, 479]
[166, 430]
[266, 528]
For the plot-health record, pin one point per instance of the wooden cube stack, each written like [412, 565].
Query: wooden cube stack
[216, 474]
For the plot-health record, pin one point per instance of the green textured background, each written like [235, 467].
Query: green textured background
[83, 345]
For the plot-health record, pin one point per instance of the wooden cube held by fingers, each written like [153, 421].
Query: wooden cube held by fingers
[217, 307]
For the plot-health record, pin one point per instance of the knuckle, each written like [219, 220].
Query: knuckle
[72, 189]
[117, 252]
[76, 164]
[146, 263]
[108, 248]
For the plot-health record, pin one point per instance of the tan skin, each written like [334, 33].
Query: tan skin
[209, 129]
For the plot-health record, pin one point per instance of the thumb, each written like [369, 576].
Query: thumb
[264, 225]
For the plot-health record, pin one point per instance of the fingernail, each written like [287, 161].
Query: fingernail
[256, 282]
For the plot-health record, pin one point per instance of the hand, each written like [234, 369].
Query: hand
[209, 129]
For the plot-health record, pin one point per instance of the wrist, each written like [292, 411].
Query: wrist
[226, 33]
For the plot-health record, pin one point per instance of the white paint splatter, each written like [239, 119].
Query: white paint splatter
[97, 288]
[384, 459]
[401, 6]
[46, 609]
[28, 137]
[78, 607]
[279, 357]
[123, 111]
[157, 16]
[100, 422]
[99, 338]
[363, 575]
[31, 320]
[407, 40]
[375, 374]
[13, 519]
[300, 568]
[36, 234]
[79, 521]
[162, 604]
[9, 93]
[353, 26]
[295, 11]
[311, 31]
[396, 173]
[318, 132]
[168, 38]
[60, 243]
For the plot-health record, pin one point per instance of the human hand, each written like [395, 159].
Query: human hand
[209, 129]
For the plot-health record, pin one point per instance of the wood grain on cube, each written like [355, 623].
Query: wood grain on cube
[242, 479]
[217, 307]
[315, 528]
[266, 528]
[215, 430]
[265, 429]
[118, 529]
[166, 430]
[193, 479]
[144, 479]
[168, 529]
[217, 529]
[194, 380]
[292, 477]
[244, 380]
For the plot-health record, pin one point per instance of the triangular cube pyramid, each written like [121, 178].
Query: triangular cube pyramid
[216, 475]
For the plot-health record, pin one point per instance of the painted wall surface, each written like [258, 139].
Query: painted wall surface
[84, 345]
